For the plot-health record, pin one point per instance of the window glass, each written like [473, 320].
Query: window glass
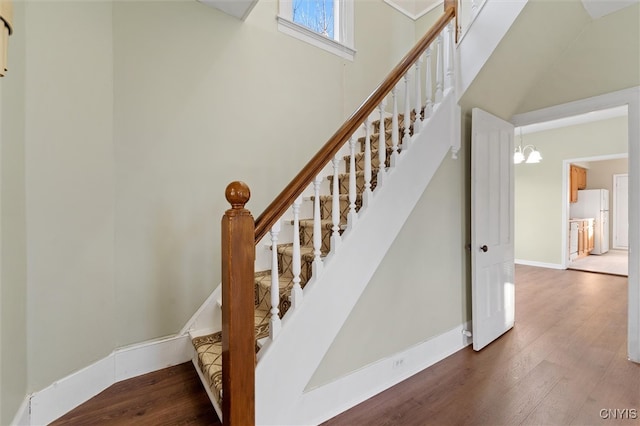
[317, 15]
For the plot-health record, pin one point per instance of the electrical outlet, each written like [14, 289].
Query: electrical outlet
[398, 363]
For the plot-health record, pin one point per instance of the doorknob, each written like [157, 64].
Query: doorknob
[484, 248]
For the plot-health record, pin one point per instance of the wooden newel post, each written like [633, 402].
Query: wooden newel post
[238, 338]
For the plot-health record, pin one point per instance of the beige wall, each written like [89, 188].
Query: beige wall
[211, 101]
[539, 189]
[69, 187]
[136, 116]
[419, 290]
[13, 271]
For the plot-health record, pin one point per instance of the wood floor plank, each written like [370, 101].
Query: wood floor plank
[563, 362]
[555, 367]
[172, 396]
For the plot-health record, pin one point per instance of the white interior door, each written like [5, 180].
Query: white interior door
[492, 228]
[620, 211]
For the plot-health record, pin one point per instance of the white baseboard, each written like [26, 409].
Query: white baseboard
[539, 264]
[45, 406]
[321, 404]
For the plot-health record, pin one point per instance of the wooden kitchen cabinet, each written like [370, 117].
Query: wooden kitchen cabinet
[582, 177]
[584, 236]
[577, 180]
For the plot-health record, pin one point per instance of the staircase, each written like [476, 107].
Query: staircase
[209, 347]
[323, 239]
[316, 252]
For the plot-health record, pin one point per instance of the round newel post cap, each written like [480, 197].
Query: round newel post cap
[237, 194]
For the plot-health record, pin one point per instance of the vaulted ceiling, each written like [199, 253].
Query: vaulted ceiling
[556, 52]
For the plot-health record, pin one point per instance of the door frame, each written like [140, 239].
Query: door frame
[614, 239]
[631, 98]
[566, 204]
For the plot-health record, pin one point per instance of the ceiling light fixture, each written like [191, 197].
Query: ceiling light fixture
[520, 156]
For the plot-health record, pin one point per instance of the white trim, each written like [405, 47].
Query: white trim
[69, 392]
[414, 16]
[539, 264]
[464, 27]
[237, 8]
[490, 26]
[631, 98]
[583, 106]
[344, 29]
[614, 243]
[207, 316]
[327, 401]
[302, 33]
[574, 120]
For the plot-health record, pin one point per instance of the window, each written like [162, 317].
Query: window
[327, 24]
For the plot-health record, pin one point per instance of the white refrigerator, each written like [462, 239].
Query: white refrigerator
[594, 203]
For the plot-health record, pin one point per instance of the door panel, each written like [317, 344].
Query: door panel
[492, 228]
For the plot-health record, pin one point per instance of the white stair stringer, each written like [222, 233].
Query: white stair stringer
[480, 40]
[286, 365]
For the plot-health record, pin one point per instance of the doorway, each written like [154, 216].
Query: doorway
[631, 99]
[605, 257]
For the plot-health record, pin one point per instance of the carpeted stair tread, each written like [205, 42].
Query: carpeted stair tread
[376, 137]
[388, 121]
[306, 253]
[343, 181]
[209, 351]
[264, 281]
[326, 206]
[375, 161]
[324, 223]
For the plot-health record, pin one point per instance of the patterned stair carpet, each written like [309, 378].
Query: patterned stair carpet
[209, 348]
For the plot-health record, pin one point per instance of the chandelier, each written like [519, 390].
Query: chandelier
[527, 154]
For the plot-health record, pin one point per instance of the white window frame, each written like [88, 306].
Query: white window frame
[343, 31]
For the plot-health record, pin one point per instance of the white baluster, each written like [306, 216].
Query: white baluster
[474, 8]
[439, 70]
[274, 323]
[336, 239]
[428, 109]
[353, 215]
[366, 195]
[407, 113]
[417, 124]
[296, 291]
[316, 266]
[450, 42]
[382, 145]
[395, 131]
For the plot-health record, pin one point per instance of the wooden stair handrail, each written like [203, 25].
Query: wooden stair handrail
[294, 189]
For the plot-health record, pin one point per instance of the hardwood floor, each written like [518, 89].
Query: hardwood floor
[173, 396]
[564, 362]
